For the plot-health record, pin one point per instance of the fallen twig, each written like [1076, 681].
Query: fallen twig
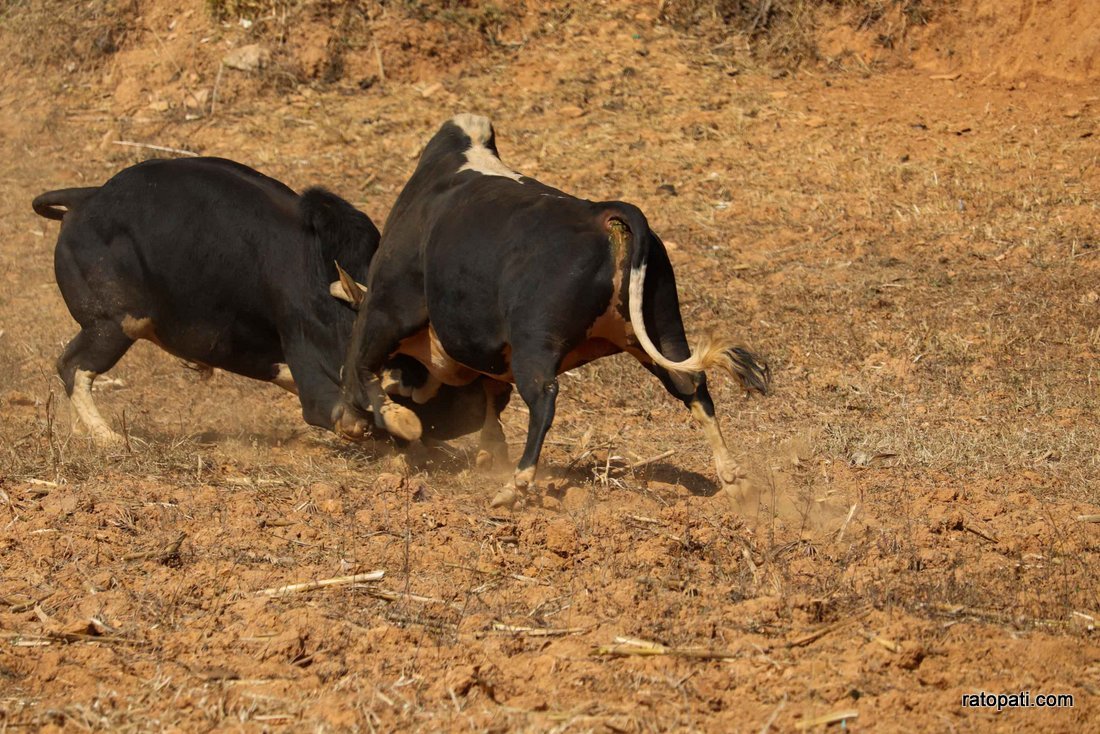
[538, 631]
[322, 583]
[214, 93]
[48, 637]
[387, 595]
[979, 533]
[378, 60]
[888, 644]
[644, 462]
[625, 646]
[833, 718]
[851, 514]
[17, 605]
[1088, 518]
[150, 146]
[250, 482]
[822, 631]
[436, 624]
[775, 715]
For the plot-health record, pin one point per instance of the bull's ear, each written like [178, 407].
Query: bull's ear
[346, 289]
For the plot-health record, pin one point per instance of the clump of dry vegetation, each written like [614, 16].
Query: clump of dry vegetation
[784, 33]
[69, 35]
[250, 9]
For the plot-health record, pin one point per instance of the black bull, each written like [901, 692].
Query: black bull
[223, 267]
[484, 275]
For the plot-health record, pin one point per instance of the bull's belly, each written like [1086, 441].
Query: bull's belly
[610, 334]
[243, 349]
[425, 348]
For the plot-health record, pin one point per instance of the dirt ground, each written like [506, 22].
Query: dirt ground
[908, 230]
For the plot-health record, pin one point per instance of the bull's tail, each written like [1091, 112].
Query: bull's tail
[49, 204]
[736, 361]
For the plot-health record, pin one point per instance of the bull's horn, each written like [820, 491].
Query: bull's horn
[347, 289]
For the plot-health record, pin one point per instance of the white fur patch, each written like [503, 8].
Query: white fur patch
[478, 156]
[478, 127]
[138, 328]
[284, 379]
[82, 402]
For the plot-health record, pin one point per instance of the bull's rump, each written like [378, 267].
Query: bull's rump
[510, 263]
[192, 248]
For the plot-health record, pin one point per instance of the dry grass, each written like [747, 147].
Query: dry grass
[920, 466]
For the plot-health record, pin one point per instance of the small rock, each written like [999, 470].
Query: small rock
[247, 58]
[324, 491]
[910, 655]
[198, 99]
[571, 111]
[947, 494]
[388, 482]
[561, 538]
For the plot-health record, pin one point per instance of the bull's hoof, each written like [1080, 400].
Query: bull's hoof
[349, 423]
[401, 422]
[507, 498]
[729, 472]
[515, 492]
[107, 439]
[101, 435]
[738, 492]
[491, 456]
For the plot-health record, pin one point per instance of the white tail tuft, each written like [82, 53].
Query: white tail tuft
[708, 353]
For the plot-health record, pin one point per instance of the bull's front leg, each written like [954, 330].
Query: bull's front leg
[351, 421]
[374, 337]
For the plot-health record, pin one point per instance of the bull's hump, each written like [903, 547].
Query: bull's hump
[480, 158]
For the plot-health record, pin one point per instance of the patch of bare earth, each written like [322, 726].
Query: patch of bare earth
[915, 250]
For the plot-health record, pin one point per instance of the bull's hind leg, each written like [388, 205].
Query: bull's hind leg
[729, 471]
[661, 310]
[96, 349]
[492, 448]
[697, 399]
[536, 379]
